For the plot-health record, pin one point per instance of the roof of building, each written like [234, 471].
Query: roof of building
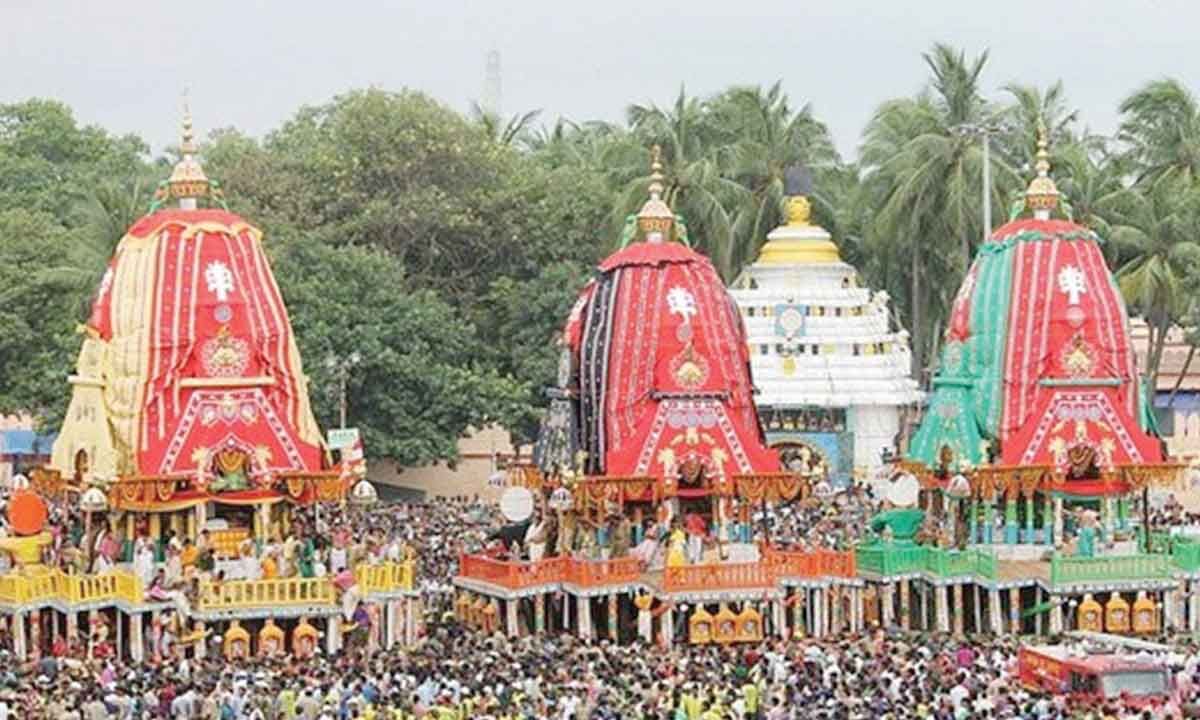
[26, 442]
[1175, 356]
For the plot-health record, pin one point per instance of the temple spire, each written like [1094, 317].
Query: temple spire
[655, 220]
[188, 183]
[1042, 195]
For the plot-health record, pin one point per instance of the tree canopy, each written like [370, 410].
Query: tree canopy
[447, 247]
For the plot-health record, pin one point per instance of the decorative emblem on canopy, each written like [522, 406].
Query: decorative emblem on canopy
[225, 355]
[1078, 358]
[1071, 283]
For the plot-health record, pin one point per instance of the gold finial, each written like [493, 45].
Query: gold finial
[799, 211]
[1043, 156]
[655, 219]
[188, 181]
[188, 146]
[656, 176]
[1042, 195]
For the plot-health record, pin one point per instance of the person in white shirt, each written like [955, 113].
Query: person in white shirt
[569, 704]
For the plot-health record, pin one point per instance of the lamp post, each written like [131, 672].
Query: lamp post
[984, 131]
[341, 367]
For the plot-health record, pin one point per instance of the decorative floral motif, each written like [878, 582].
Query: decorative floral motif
[1078, 358]
[225, 355]
[789, 321]
[689, 368]
[681, 302]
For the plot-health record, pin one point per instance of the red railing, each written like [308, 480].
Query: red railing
[776, 564]
[511, 575]
[588, 573]
[811, 563]
[718, 576]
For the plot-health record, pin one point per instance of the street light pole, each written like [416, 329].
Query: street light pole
[984, 132]
[342, 399]
[340, 367]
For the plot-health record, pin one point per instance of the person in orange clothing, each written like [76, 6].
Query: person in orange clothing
[270, 568]
[188, 555]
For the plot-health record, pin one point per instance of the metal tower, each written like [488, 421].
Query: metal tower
[491, 84]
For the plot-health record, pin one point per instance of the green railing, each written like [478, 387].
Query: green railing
[1117, 568]
[902, 558]
[960, 562]
[896, 559]
[1186, 554]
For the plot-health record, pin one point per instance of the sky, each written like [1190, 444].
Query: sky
[124, 64]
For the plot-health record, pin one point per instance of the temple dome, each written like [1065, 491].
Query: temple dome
[832, 374]
[655, 379]
[189, 360]
[1037, 367]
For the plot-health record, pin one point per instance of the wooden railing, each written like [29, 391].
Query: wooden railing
[589, 573]
[89, 588]
[46, 585]
[20, 588]
[386, 577]
[129, 588]
[776, 564]
[265, 593]
[897, 559]
[1111, 568]
[718, 576]
[811, 563]
[509, 574]
[901, 558]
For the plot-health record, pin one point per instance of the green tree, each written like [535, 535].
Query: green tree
[47, 161]
[1088, 176]
[399, 172]
[529, 315]
[39, 315]
[695, 187]
[926, 180]
[766, 137]
[513, 131]
[1161, 127]
[423, 380]
[1031, 109]
[1155, 231]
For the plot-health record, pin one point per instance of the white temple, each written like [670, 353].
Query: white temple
[832, 376]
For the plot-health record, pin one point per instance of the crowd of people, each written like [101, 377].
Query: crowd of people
[837, 521]
[456, 673]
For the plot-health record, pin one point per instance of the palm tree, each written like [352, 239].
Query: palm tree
[505, 132]
[606, 149]
[1031, 109]
[1088, 176]
[1155, 230]
[766, 137]
[928, 178]
[1161, 126]
[695, 186]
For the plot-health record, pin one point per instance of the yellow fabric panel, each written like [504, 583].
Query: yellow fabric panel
[132, 304]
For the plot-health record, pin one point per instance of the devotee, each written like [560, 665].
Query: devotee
[454, 672]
